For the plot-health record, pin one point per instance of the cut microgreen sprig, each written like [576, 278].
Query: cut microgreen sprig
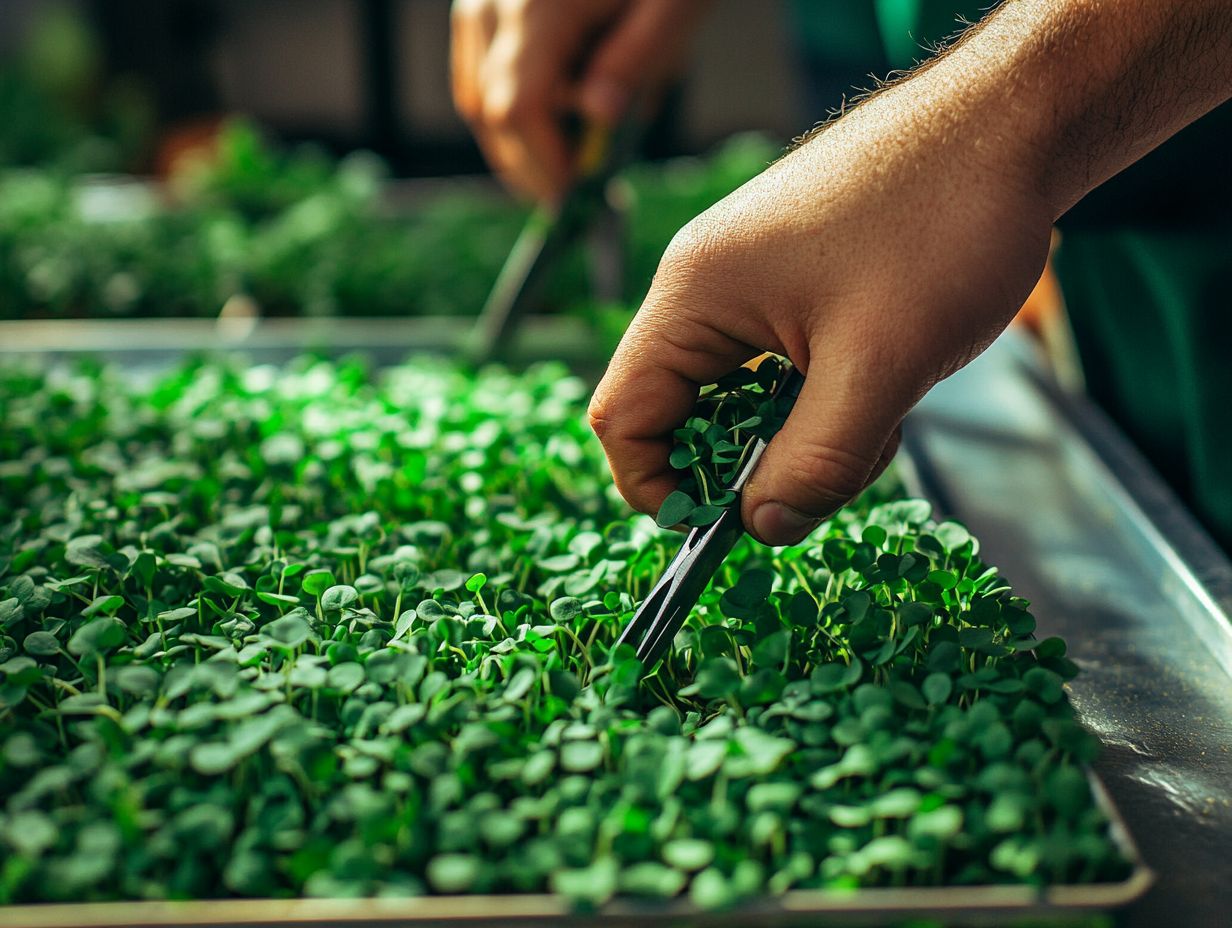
[712, 445]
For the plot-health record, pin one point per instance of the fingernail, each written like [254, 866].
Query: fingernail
[604, 100]
[778, 524]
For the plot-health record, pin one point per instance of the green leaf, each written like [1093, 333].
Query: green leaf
[830, 678]
[682, 456]
[229, 584]
[97, 637]
[717, 678]
[711, 890]
[278, 599]
[89, 551]
[652, 880]
[337, 598]
[41, 644]
[688, 854]
[594, 884]
[345, 676]
[937, 688]
[11, 612]
[566, 609]
[942, 823]
[946, 579]
[103, 605]
[704, 515]
[213, 758]
[581, 756]
[675, 509]
[316, 582]
[874, 535]
[290, 631]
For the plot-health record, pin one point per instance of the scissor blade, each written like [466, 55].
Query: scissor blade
[548, 233]
[662, 614]
[517, 286]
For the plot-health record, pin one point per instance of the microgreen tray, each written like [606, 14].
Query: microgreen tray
[982, 901]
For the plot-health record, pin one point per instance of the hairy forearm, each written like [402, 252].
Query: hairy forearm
[1063, 94]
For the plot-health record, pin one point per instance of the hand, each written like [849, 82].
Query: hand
[519, 66]
[880, 257]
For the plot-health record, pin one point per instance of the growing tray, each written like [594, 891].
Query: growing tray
[390, 340]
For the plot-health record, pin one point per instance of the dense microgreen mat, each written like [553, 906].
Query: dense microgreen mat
[322, 630]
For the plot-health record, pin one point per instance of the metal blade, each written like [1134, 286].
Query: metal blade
[662, 614]
[664, 611]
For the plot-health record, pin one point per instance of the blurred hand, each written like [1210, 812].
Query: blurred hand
[518, 66]
[879, 257]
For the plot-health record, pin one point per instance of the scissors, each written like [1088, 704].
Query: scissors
[602, 152]
[660, 616]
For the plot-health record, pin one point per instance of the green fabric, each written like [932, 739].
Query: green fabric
[877, 35]
[839, 33]
[1152, 315]
[898, 21]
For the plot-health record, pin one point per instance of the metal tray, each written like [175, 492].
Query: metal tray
[1081, 525]
[157, 342]
[935, 475]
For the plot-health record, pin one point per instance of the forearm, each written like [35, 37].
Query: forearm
[1063, 94]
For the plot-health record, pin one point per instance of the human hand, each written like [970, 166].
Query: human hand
[880, 257]
[519, 66]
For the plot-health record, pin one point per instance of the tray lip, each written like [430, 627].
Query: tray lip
[161, 342]
[193, 334]
[538, 908]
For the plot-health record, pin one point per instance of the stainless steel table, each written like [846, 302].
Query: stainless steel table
[1079, 524]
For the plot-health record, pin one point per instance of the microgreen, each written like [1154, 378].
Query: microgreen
[713, 443]
[383, 664]
[295, 233]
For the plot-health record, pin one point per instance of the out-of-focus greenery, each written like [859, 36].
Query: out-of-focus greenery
[57, 108]
[302, 234]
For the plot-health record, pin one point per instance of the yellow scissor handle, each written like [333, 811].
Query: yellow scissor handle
[593, 147]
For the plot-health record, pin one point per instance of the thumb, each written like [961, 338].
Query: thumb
[641, 48]
[837, 439]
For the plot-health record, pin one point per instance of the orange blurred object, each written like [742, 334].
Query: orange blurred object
[1044, 307]
[192, 141]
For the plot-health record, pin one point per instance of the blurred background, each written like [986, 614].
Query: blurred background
[284, 157]
[123, 77]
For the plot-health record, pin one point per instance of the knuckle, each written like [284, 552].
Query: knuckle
[829, 473]
[599, 417]
[691, 251]
[466, 102]
[462, 11]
